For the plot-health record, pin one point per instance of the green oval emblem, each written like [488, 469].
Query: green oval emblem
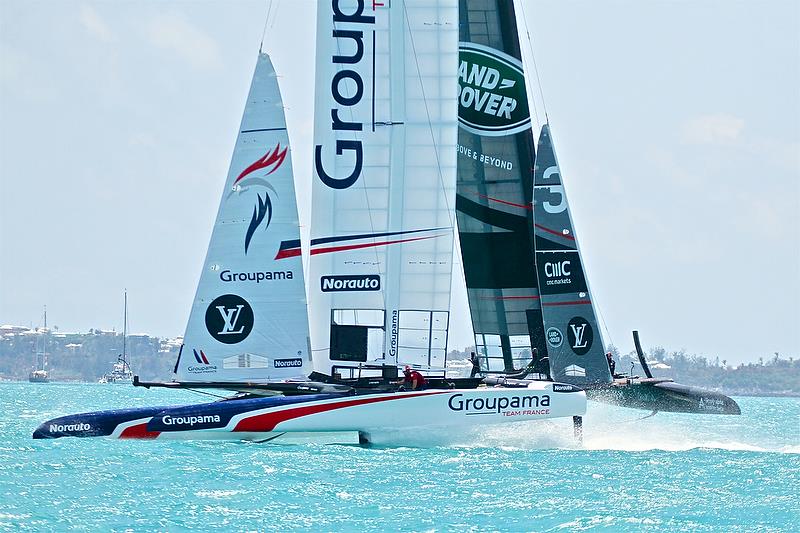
[491, 92]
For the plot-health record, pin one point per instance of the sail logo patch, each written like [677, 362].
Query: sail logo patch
[491, 92]
[229, 319]
[369, 282]
[246, 180]
[347, 92]
[554, 337]
[560, 272]
[205, 366]
[295, 362]
[580, 335]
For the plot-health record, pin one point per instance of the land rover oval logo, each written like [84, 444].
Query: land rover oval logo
[554, 337]
[491, 92]
[229, 319]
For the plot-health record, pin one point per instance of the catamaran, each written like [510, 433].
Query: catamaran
[528, 292]
[380, 256]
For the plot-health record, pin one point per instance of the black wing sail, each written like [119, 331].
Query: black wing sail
[575, 345]
[495, 187]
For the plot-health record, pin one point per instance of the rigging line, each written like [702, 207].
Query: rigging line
[535, 67]
[207, 393]
[275, 15]
[430, 124]
[264, 31]
[603, 320]
[364, 179]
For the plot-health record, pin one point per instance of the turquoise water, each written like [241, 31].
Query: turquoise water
[665, 473]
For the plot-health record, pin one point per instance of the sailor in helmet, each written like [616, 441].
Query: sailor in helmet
[412, 379]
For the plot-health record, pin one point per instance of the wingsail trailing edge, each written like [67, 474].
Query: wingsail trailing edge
[383, 200]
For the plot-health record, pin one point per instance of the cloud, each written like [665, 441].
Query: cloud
[172, 32]
[94, 24]
[712, 129]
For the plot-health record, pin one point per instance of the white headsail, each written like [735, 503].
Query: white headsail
[383, 184]
[249, 317]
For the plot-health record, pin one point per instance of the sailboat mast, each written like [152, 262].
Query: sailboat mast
[44, 355]
[125, 327]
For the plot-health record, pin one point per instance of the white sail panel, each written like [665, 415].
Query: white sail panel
[249, 317]
[383, 191]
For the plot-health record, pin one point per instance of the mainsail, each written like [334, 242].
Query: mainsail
[527, 292]
[574, 342]
[495, 187]
[249, 317]
[383, 182]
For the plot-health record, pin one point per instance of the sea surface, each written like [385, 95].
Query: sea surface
[665, 473]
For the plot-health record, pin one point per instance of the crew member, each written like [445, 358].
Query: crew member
[611, 364]
[476, 364]
[413, 379]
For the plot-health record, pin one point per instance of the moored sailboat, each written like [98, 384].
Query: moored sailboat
[39, 373]
[121, 371]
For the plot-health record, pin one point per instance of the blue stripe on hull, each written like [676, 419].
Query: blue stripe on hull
[178, 418]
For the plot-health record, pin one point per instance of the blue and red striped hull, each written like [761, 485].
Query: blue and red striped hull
[257, 418]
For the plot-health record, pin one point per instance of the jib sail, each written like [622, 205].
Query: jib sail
[495, 187]
[249, 317]
[574, 342]
[383, 182]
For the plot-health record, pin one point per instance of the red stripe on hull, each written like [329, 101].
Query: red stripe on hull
[138, 431]
[268, 421]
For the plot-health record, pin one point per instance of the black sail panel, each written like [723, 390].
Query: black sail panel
[495, 187]
[575, 345]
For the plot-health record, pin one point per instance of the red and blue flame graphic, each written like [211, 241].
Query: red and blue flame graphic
[248, 179]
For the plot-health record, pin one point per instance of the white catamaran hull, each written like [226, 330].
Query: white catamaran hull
[262, 418]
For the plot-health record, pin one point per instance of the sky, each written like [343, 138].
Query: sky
[676, 123]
